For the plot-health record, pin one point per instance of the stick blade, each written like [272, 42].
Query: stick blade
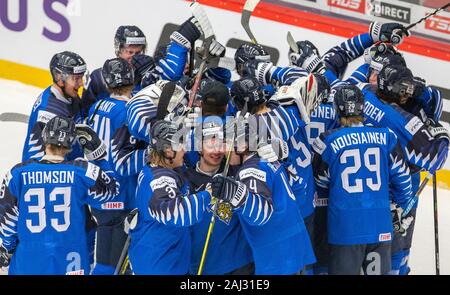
[199, 13]
[164, 100]
[250, 5]
[292, 44]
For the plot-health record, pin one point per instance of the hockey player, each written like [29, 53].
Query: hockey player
[425, 145]
[160, 242]
[59, 99]
[229, 252]
[358, 165]
[128, 41]
[262, 198]
[106, 117]
[42, 202]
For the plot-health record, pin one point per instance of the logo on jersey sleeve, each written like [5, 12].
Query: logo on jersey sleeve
[92, 171]
[319, 146]
[44, 116]
[252, 172]
[414, 125]
[162, 182]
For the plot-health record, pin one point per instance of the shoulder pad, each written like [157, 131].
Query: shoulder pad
[162, 182]
[254, 173]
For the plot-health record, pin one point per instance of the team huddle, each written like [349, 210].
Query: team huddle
[298, 170]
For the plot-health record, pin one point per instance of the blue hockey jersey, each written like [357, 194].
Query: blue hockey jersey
[161, 243]
[228, 248]
[107, 117]
[357, 165]
[49, 104]
[271, 220]
[42, 214]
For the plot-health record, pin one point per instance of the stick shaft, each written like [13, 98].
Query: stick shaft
[436, 228]
[429, 15]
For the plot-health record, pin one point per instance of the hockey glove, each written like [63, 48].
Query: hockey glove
[229, 190]
[389, 32]
[419, 87]
[276, 149]
[216, 49]
[401, 223]
[187, 33]
[5, 257]
[308, 57]
[261, 70]
[437, 130]
[142, 64]
[93, 147]
[130, 221]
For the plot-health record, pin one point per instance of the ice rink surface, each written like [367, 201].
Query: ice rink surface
[18, 98]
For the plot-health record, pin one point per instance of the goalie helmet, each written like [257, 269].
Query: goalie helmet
[117, 72]
[66, 63]
[129, 35]
[59, 131]
[348, 101]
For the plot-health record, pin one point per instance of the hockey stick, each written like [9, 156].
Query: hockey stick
[436, 229]
[396, 39]
[123, 262]
[249, 7]
[200, 15]
[292, 44]
[427, 16]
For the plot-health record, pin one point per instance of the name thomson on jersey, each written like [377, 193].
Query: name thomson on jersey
[47, 177]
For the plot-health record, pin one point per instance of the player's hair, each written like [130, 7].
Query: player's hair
[54, 149]
[258, 108]
[213, 110]
[124, 90]
[349, 121]
[157, 159]
[385, 98]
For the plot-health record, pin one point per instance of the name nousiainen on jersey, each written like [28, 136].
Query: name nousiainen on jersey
[47, 177]
[358, 138]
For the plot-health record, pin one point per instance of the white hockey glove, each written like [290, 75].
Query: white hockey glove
[276, 150]
[216, 49]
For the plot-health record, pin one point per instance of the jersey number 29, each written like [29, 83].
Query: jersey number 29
[372, 167]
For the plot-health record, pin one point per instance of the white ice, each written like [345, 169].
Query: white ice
[19, 98]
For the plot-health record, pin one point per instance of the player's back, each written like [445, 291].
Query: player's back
[358, 165]
[106, 116]
[51, 222]
[281, 245]
[154, 235]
